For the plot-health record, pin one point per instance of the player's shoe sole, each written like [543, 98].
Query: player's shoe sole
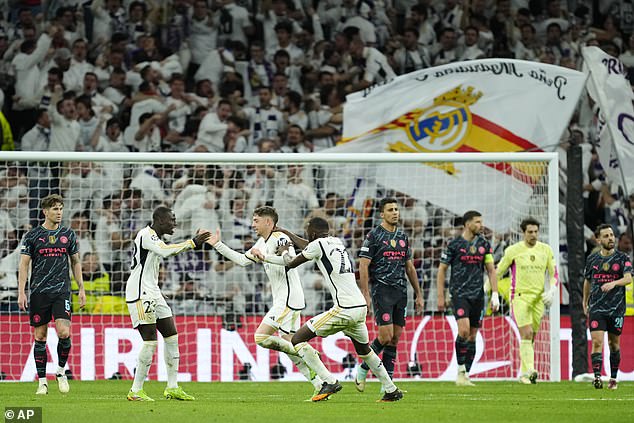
[139, 396]
[177, 394]
[62, 384]
[392, 396]
[327, 389]
[42, 390]
[597, 383]
[533, 377]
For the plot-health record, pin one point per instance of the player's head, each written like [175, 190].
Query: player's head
[317, 228]
[605, 236]
[53, 208]
[264, 220]
[163, 221]
[389, 210]
[530, 228]
[472, 221]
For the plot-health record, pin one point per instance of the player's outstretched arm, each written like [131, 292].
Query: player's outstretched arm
[229, 253]
[297, 240]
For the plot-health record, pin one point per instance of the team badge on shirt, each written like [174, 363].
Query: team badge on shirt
[606, 266]
[472, 249]
[52, 239]
[393, 243]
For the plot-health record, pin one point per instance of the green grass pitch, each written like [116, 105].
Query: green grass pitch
[104, 401]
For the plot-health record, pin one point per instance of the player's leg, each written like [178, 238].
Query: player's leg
[265, 333]
[476, 313]
[399, 312]
[320, 325]
[462, 311]
[40, 313]
[358, 334]
[383, 318]
[598, 326]
[537, 312]
[289, 329]
[614, 335]
[523, 319]
[143, 316]
[62, 313]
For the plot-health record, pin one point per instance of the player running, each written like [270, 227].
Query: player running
[347, 315]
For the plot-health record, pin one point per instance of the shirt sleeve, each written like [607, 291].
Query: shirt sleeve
[507, 260]
[27, 246]
[587, 272]
[627, 266]
[488, 256]
[153, 243]
[551, 267]
[368, 249]
[448, 255]
[72, 244]
[408, 254]
[312, 251]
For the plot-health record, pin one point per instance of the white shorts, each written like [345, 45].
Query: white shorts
[283, 319]
[350, 321]
[145, 311]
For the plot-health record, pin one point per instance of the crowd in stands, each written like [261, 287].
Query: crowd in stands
[247, 76]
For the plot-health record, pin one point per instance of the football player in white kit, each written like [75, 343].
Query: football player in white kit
[147, 306]
[348, 314]
[286, 289]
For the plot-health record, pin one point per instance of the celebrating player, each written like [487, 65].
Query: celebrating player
[147, 306]
[347, 315]
[385, 258]
[468, 255]
[529, 259]
[607, 273]
[286, 289]
[47, 249]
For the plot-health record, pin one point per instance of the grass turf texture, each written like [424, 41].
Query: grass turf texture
[105, 401]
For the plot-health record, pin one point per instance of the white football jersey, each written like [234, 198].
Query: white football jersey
[333, 261]
[149, 251]
[286, 288]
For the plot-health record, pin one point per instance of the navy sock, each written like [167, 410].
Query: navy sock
[63, 349]
[377, 347]
[389, 359]
[461, 350]
[39, 353]
[597, 363]
[615, 360]
[471, 351]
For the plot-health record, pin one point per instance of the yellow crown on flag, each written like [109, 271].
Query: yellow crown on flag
[458, 95]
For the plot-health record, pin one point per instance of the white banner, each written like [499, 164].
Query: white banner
[490, 105]
[608, 87]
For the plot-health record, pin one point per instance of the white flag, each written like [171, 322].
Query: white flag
[612, 92]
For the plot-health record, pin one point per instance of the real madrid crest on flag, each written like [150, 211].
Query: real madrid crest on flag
[393, 243]
[52, 239]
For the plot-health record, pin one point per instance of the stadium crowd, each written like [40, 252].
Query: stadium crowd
[246, 76]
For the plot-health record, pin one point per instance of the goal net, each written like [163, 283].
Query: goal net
[108, 197]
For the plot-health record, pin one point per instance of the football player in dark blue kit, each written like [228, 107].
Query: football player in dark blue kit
[47, 249]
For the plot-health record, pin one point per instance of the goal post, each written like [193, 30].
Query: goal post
[110, 196]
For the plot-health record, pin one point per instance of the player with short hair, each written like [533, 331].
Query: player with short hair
[286, 289]
[529, 261]
[147, 306]
[607, 273]
[347, 314]
[385, 258]
[47, 249]
[468, 255]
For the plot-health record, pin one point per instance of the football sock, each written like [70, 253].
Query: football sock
[471, 351]
[597, 363]
[143, 364]
[527, 356]
[276, 343]
[377, 347]
[312, 360]
[615, 360]
[389, 359]
[305, 370]
[63, 349]
[172, 358]
[378, 369]
[461, 350]
[39, 353]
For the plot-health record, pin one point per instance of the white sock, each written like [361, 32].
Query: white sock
[42, 381]
[144, 362]
[305, 370]
[172, 359]
[312, 360]
[60, 371]
[374, 363]
[276, 343]
[462, 368]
